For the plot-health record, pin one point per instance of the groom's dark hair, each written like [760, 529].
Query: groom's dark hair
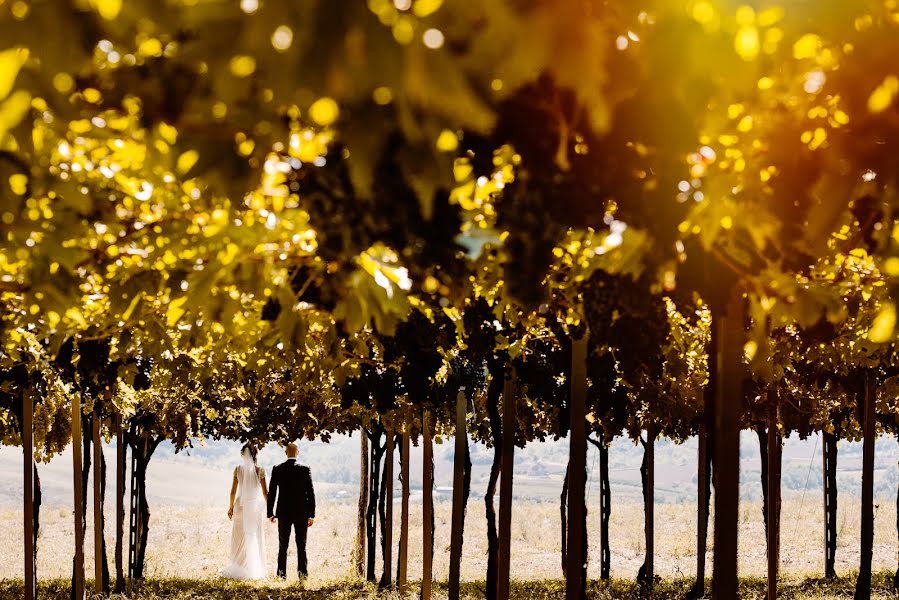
[252, 449]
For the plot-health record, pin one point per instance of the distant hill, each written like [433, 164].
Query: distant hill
[202, 473]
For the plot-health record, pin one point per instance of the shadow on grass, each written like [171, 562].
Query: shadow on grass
[223, 589]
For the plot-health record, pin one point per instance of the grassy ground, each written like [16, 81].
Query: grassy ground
[218, 589]
[202, 533]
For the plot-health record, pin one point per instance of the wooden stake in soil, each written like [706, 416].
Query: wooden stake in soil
[404, 517]
[505, 491]
[577, 475]
[388, 511]
[774, 465]
[427, 508]
[78, 500]
[863, 584]
[456, 534]
[649, 505]
[702, 508]
[98, 512]
[28, 489]
[119, 507]
[728, 326]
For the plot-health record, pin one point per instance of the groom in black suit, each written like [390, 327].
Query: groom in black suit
[292, 484]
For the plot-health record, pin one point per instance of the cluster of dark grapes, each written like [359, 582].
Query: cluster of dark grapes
[376, 387]
[624, 314]
[464, 373]
[545, 369]
[416, 346]
[348, 221]
[480, 332]
[569, 176]
[606, 397]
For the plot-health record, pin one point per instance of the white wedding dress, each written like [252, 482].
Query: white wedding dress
[247, 534]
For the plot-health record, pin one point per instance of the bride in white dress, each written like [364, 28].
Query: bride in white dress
[247, 514]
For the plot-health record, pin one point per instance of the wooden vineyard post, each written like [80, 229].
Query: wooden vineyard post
[388, 510]
[98, 514]
[649, 504]
[774, 468]
[456, 534]
[427, 508]
[119, 507]
[404, 517]
[829, 460]
[577, 476]
[359, 547]
[28, 490]
[863, 585]
[507, 459]
[78, 592]
[727, 326]
[702, 508]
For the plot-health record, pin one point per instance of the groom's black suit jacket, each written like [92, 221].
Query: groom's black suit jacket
[292, 484]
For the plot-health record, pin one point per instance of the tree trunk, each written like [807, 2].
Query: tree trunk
[704, 496]
[647, 474]
[86, 429]
[371, 516]
[456, 533]
[563, 505]
[494, 391]
[728, 328]
[78, 501]
[773, 515]
[863, 584]
[427, 508]
[762, 433]
[829, 458]
[28, 472]
[505, 490]
[605, 509]
[576, 584]
[402, 558]
[359, 547]
[120, 508]
[142, 449]
[387, 513]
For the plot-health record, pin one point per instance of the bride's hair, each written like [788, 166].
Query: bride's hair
[251, 449]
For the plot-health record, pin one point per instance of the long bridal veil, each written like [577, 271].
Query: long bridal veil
[247, 536]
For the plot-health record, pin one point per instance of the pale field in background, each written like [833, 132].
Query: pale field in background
[193, 541]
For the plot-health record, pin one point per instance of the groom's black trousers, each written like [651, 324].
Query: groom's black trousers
[300, 525]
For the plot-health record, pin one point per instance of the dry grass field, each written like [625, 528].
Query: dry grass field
[193, 541]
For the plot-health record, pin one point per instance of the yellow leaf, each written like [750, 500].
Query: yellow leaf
[242, 66]
[108, 9]
[176, 310]
[703, 12]
[447, 141]
[746, 42]
[11, 60]
[14, 110]
[770, 16]
[186, 161]
[807, 46]
[884, 324]
[749, 349]
[882, 97]
[130, 310]
[18, 183]
[324, 111]
[424, 8]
